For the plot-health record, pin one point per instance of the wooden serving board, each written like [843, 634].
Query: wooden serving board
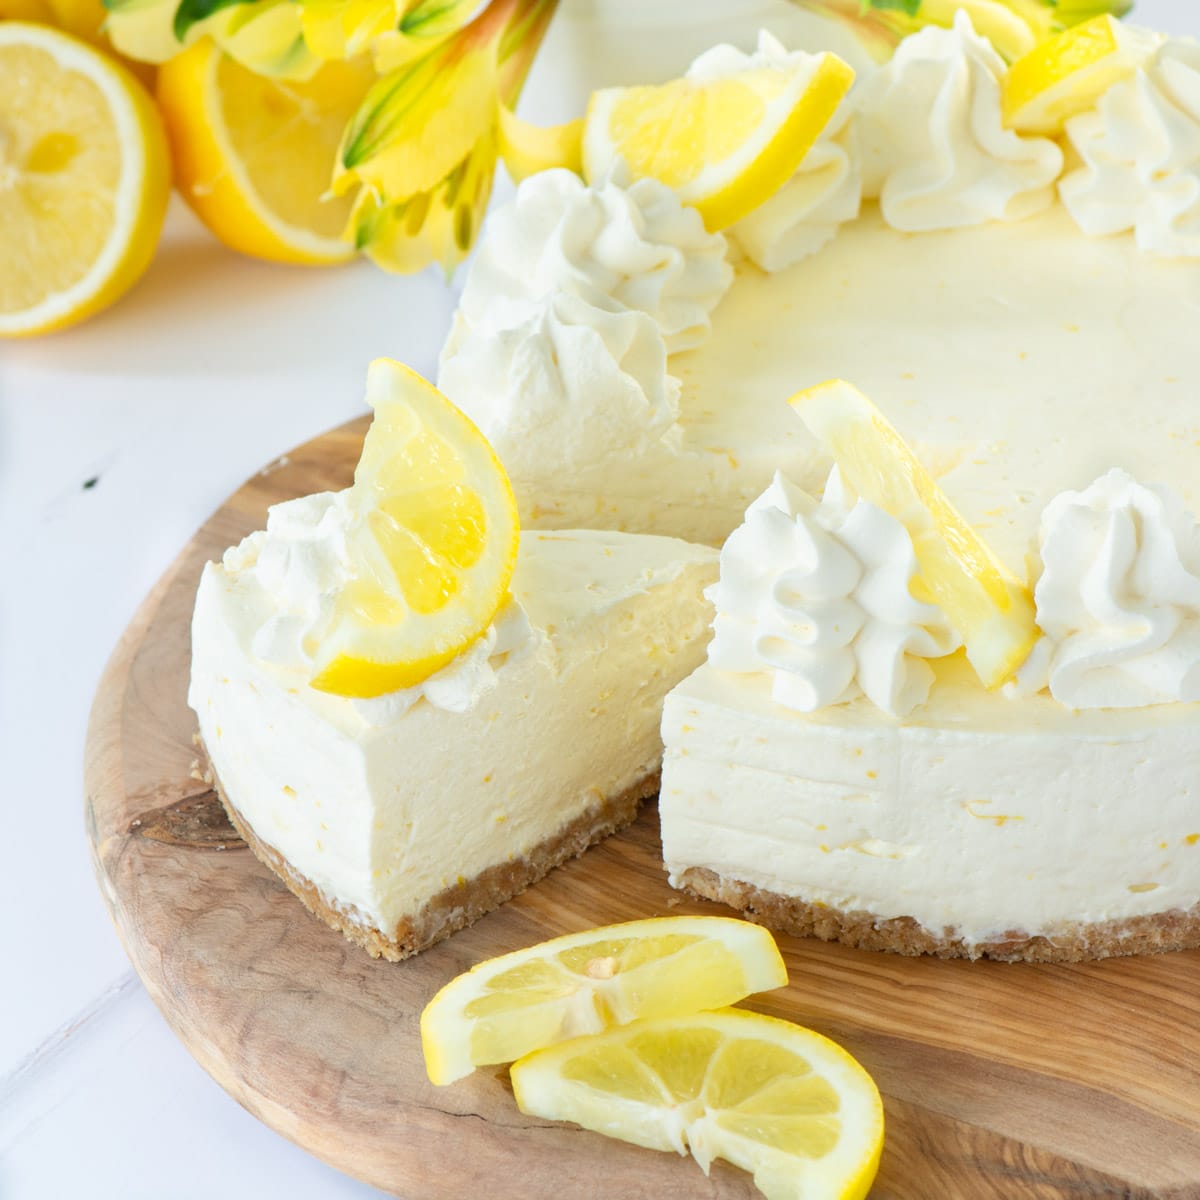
[1012, 1081]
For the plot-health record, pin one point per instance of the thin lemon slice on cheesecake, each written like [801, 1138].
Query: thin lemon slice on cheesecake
[725, 145]
[432, 542]
[1068, 73]
[84, 180]
[773, 1098]
[992, 611]
[584, 982]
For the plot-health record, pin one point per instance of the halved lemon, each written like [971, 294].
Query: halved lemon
[725, 145]
[254, 156]
[768, 1096]
[584, 982]
[1068, 73]
[432, 543]
[84, 180]
[992, 611]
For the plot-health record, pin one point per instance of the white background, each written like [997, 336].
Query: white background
[212, 367]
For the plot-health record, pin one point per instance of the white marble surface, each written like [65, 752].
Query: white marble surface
[213, 366]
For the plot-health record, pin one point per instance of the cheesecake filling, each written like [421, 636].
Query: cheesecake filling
[1140, 152]
[385, 804]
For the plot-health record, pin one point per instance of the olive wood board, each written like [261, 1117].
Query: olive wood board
[1015, 1081]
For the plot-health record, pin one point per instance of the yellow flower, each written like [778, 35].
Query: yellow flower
[265, 36]
[422, 146]
[1012, 26]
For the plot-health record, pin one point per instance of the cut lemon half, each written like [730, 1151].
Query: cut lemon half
[254, 156]
[432, 542]
[1068, 73]
[84, 180]
[992, 611]
[775, 1099]
[724, 145]
[508, 1006]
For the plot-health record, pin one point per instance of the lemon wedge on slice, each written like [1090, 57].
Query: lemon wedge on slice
[992, 611]
[254, 156]
[1068, 73]
[768, 1096]
[84, 180]
[725, 145]
[432, 542]
[584, 982]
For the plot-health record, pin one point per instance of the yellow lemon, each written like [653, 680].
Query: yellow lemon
[84, 180]
[771, 1097]
[433, 542]
[1068, 73]
[254, 155]
[725, 145]
[584, 982]
[991, 610]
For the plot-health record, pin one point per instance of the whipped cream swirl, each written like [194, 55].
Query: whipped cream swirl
[935, 150]
[301, 560]
[560, 381]
[1118, 599]
[1141, 157]
[826, 189]
[633, 247]
[819, 595]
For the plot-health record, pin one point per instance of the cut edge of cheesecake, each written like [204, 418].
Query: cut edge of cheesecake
[462, 904]
[1076, 941]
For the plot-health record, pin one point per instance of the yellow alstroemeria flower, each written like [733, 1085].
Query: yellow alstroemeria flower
[395, 31]
[423, 144]
[265, 36]
[1012, 26]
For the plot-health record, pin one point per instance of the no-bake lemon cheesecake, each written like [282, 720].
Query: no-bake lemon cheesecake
[1022, 298]
[401, 816]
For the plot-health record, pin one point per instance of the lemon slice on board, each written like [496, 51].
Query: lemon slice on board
[584, 982]
[768, 1096]
[991, 610]
[1068, 73]
[254, 156]
[432, 542]
[724, 145]
[84, 180]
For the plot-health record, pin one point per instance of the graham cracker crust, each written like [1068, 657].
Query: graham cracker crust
[1077, 942]
[461, 904]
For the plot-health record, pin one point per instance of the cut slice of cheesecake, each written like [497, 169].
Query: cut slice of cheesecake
[402, 818]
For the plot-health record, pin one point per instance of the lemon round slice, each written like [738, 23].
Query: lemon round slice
[770, 1097]
[84, 180]
[432, 542]
[725, 145]
[584, 982]
[1068, 73]
[992, 611]
[254, 156]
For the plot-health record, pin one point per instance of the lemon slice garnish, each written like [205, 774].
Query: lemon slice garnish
[992, 611]
[584, 982]
[84, 180]
[432, 542]
[254, 156]
[725, 145]
[770, 1097]
[1068, 73]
